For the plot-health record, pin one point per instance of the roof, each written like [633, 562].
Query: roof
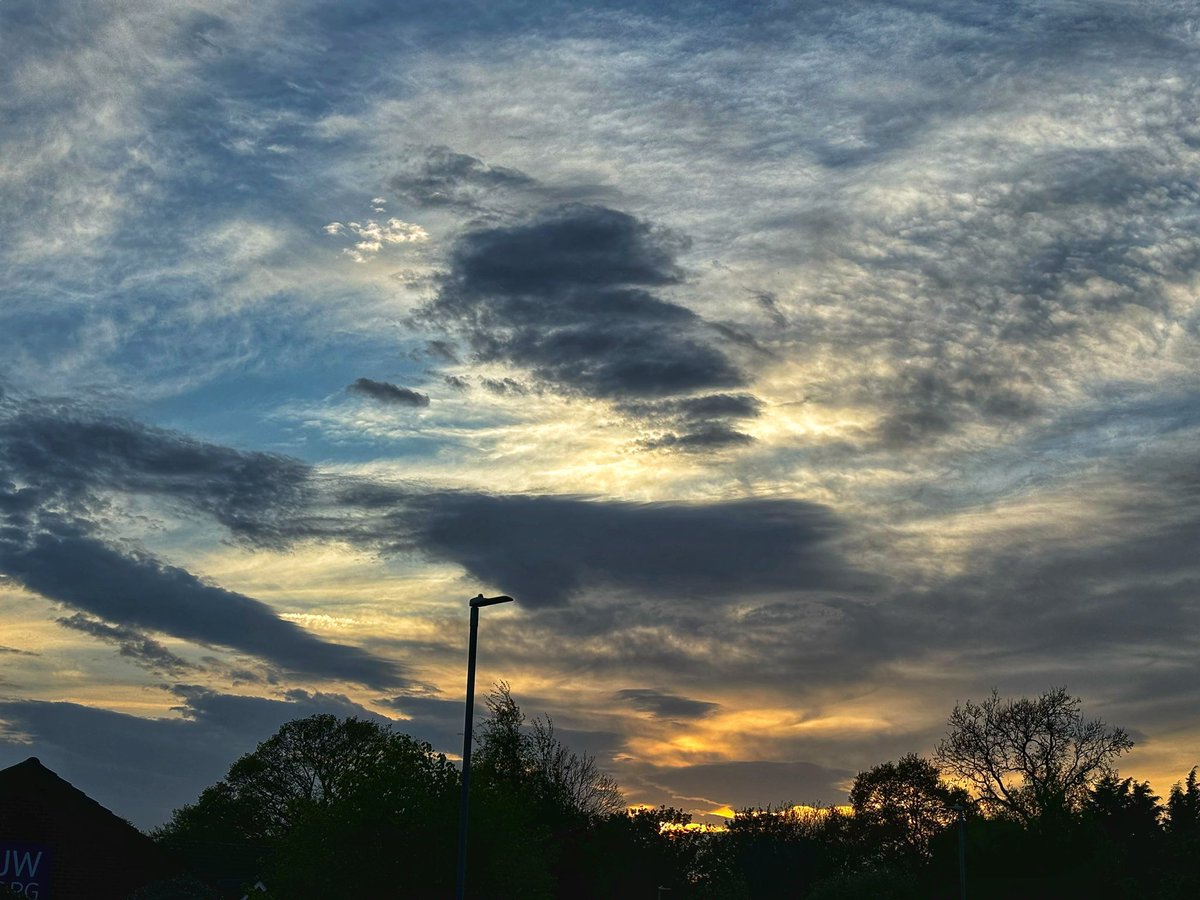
[88, 851]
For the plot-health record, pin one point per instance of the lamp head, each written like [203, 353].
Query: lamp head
[481, 600]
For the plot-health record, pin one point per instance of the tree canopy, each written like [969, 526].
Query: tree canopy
[899, 807]
[332, 807]
[323, 801]
[1030, 759]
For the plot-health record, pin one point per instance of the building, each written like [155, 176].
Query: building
[56, 843]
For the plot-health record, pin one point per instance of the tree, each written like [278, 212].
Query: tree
[1129, 843]
[631, 852]
[1183, 807]
[536, 757]
[1182, 868]
[576, 777]
[1129, 809]
[768, 852]
[537, 801]
[1030, 759]
[326, 807]
[899, 807]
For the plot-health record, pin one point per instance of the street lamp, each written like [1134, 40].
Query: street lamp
[961, 814]
[464, 797]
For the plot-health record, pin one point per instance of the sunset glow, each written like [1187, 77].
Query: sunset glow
[800, 372]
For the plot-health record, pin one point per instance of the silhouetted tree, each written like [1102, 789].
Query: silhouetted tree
[1181, 877]
[509, 751]
[1130, 809]
[326, 807]
[1031, 759]
[899, 807]
[632, 853]
[769, 852]
[1129, 843]
[1183, 807]
[582, 784]
[536, 801]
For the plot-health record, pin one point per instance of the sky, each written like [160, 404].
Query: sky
[802, 369]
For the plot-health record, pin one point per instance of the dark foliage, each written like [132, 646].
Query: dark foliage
[326, 807]
[333, 807]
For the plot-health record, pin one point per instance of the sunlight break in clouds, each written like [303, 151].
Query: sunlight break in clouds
[373, 235]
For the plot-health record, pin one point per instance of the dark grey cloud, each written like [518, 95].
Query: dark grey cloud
[67, 455]
[545, 549]
[385, 392]
[702, 422]
[443, 350]
[505, 386]
[141, 648]
[442, 177]
[665, 706]
[63, 563]
[770, 305]
[565, 295]
[69, 461]
[569, 247]
[928, 399]
[750, 784]
[439, 177]
[708, 437]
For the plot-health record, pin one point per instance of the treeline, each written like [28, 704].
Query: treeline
[343, 808]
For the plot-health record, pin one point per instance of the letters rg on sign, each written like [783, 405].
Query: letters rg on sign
[24, 870]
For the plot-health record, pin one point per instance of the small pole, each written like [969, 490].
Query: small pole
[464, 804]
[464, 797]
[962, 852]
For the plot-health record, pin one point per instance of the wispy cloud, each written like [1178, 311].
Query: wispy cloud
[839, 362]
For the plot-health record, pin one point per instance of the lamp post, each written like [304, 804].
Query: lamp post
[961, 812]
[464, 797]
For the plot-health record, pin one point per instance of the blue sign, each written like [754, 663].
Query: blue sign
[24, 870]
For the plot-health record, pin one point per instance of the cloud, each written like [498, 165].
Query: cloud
[709, 437]
[62, 563]
[703, 422]
[70, 463]
[388, 393]
[372, 236]
[505, 386]
[142, 768]
[442, 177]
[142, 649]
[564, 295]
[925, 400]
[432, 719]
[67, 454]
[545, 549]
[665, 706]
[770, 305]
[443, 350]
[752, 784]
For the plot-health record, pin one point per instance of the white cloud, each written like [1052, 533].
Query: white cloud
[374, 235]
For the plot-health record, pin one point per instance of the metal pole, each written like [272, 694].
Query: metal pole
[962, 854]
[464, 797]
[464, 806]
